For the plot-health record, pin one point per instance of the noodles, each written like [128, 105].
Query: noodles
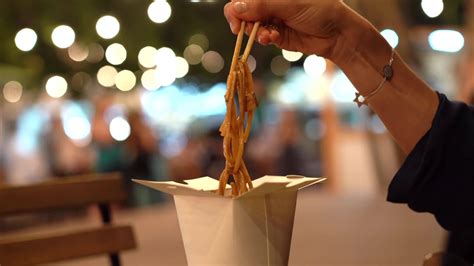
[241, 103]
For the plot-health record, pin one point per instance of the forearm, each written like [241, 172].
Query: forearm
[405, 104]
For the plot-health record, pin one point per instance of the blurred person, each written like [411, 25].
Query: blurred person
[213, 159]
[23, 148]
[188, 162]
[437, 176]
[289, 159]
[65, 157]
[140, 147]
[109, 152]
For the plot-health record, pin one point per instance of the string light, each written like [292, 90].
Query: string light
[291, 56]
[107, 27]
[115, 54]
[25, 39]
[125, 80]
[12, 91]
[63, 36]
[56, 86]
[159, 11]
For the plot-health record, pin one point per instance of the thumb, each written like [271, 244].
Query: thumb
[250, 10]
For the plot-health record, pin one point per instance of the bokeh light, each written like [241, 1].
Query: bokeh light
[182, 67]
[212, 61]
[449, 41]
[77, 128]
[78, 52]
[291, 56]
[391, 36]
[149, 80]
[25, 39]
[279, 65]
[119, 129]
[12, 91]
[56, 86]
[165, 66]
[63, 36]
[96, 53]
[115, 54]
[314, 66]
[432, 8]
[159, 11]
[107, 27]
[252, 63]
[125, 80]
[193, 54]
[201, 40]
[106, 76]
[146, 57]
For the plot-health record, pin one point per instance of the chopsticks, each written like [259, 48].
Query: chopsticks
[238, 44]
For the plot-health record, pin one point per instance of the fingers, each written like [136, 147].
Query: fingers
[251, 10]
[248, 10]
[234, 22]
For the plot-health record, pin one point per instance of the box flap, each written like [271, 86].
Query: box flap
[174, 188]
[206, 186]
[269, 184]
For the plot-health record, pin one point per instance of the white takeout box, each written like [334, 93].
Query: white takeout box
[252, 229]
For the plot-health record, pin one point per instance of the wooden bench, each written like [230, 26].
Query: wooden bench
[95, 189]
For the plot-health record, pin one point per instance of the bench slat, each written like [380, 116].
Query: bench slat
[58, 247]
[67, 192]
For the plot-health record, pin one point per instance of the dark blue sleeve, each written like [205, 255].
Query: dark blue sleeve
[438, 175]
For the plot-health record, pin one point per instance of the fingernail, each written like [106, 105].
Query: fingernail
[231, 26]
[240, 7]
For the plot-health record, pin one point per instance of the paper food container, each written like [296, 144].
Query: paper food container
[252, 229]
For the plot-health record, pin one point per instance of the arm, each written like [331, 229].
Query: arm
[329, 28]
[406, 104]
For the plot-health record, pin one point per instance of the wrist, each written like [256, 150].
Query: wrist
[359, 40]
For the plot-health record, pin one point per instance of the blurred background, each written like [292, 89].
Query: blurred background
[138, 87]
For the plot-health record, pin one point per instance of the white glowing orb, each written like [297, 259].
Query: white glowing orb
[106, 76]
[159, 11]
[314, 66]
[77, 128]
[212, 61]
[165, 76]
[115, 54]
[63, 36]
[165, 72]
[149, 80]
[252, 63]
[164, 56]
[12, 91]
[25, 39]
[146, 57]
[449, 41]
[107, 27]
[432, 8]
[119, 129]
[182, 67]
[193, 54]
[125, 80]
[56, 86]
[78, 52]
[391, 36]
[291, 56]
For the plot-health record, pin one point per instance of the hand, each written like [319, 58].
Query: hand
[308, 26]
